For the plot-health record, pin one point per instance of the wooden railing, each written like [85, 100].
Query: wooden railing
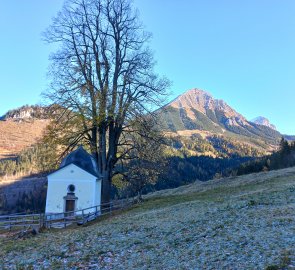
[21, 221]
[61, 220]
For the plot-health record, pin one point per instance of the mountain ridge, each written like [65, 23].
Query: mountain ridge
[197, 112]
[202, 101]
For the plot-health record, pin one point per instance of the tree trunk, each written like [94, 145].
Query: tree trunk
[139, 196]
[106, 187]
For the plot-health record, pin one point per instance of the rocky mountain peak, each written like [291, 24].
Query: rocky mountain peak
[25, 112]
[260, 120]
[195, 98]
[202, 101]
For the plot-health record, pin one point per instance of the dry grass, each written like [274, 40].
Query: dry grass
[229, 183]
[188, 133]
[16, 136]
[236, 223]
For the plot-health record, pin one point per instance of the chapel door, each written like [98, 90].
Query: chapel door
[70, 207]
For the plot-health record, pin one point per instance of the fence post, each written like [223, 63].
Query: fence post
[83, 221]
[44, 221]
[40, 221]
[49, 222]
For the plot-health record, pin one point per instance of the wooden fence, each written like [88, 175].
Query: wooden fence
[62, 220]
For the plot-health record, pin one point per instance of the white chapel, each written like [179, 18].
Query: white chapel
[76, 185]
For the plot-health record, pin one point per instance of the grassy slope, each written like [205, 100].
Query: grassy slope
[235, 223]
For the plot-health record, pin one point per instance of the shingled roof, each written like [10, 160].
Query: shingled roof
[81, 158]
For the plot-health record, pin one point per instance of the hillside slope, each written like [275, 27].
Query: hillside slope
[15, 136]
[21, 128]
[235, 223]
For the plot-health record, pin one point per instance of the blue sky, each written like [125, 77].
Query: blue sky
[239, 51]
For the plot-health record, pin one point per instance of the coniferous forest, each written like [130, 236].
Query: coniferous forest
[283, 158]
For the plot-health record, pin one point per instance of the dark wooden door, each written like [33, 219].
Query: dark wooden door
[70, 206]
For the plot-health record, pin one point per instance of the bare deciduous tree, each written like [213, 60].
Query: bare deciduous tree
[147, 158]
[102, 78]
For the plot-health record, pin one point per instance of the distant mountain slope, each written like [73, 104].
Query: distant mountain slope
[260, 120]
[20, 128]
[16, 136]
[197, 112]
[210, 127]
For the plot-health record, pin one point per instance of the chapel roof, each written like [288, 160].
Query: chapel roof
[81, 158]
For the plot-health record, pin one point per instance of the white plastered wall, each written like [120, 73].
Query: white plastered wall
[87, 189]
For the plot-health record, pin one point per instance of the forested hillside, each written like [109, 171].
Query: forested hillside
[38, 158]
[283, 158]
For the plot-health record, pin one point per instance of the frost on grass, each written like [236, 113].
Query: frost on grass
[237, 223]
